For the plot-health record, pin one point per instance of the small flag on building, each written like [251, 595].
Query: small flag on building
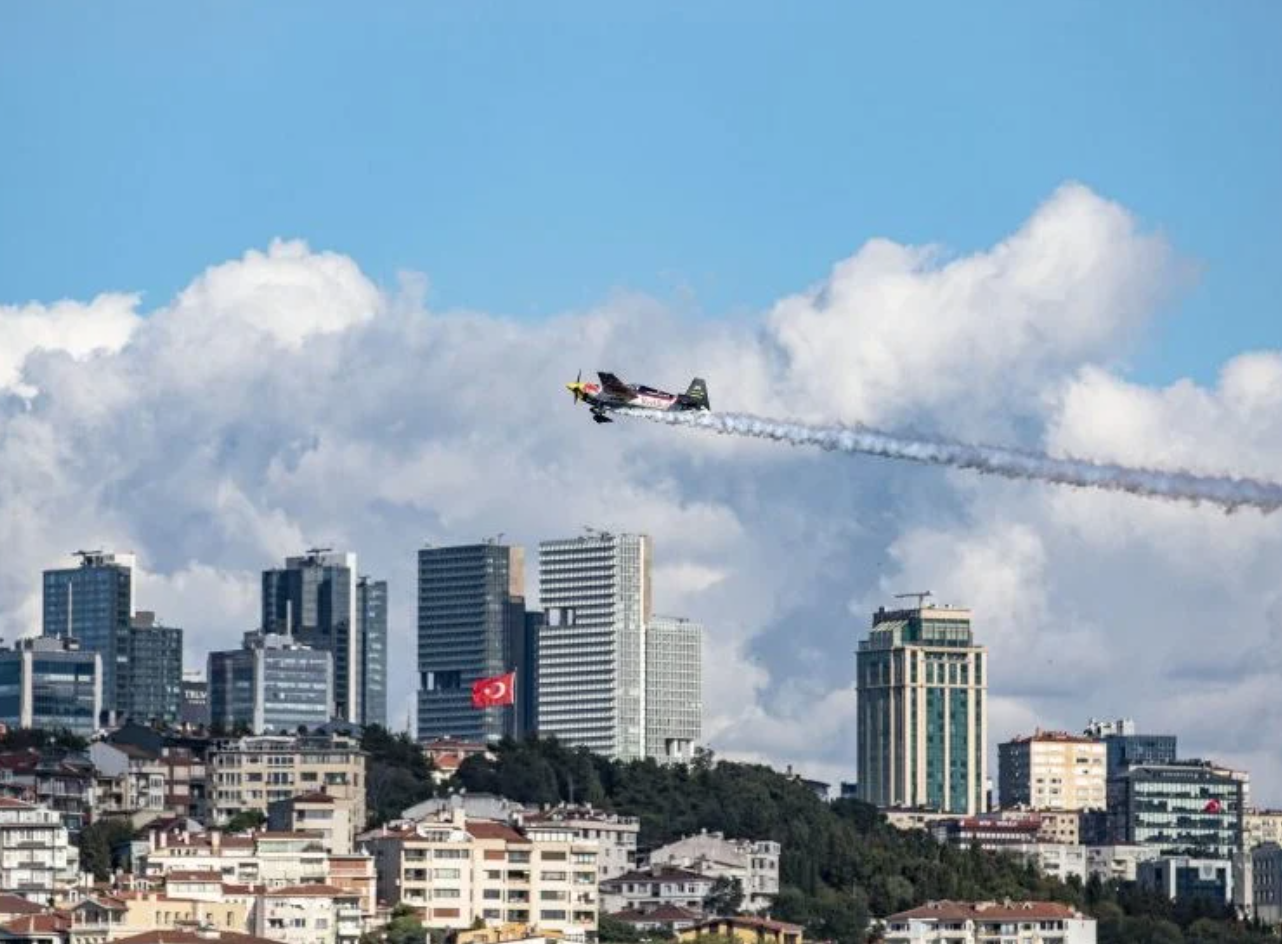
[1212, 807]
[498, 690]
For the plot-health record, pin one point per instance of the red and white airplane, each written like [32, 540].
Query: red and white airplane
[613, 394]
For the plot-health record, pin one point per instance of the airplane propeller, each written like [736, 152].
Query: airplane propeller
[576, 388]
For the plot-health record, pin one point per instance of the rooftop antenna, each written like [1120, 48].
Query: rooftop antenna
[921, 597]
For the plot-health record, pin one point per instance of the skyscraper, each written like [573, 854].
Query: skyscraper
[313, 599]
[371, 621]
[674, 688]
[93, 603]
[1125, 748]
[155, 670]
[271, 684]
[471, 625]
[922, 714]
[595, 594]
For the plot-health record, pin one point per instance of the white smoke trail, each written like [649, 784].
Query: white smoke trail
[1229, 493]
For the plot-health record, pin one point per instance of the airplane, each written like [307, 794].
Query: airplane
[613, 394]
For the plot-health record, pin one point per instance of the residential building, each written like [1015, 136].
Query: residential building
[1054, 859]
[1125, 748]
[655, 887]
[1178, 807]
[447, 755]
[155, 664]
[1052, 770]
[371, 637]
[62, 781]
[753, 863]
[179, 760]
[251, 772]
[314, 599]
[916, 819]
[317, 812]
[1266, 866]
[36, 855]
[988, 833]
[131, 780]
[471, 625]
[670, 919]
[1261, 826]
[269, 859]
[922, 711]
[93, 603]
[746, 930]
[454, 870]
[964, 922]
[615, 835]
[51, 683]
[271, 684]
[1182, 878]
[309, 914]
[193, 709]
[595, 594]
[1117, 863]
[673, 688]
[486, 806]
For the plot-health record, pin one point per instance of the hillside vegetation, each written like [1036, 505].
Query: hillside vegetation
[842, 864]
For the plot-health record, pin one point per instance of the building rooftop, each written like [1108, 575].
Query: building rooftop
[752, 923]
[1062, 737]
[17, 905]
[664, 914]
[988, 911]
[193, 936]
[312, 891]
[479, 829]
[663, 873]
[51, 922]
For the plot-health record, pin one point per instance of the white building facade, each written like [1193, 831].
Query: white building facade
[674, 688]
[753, 863]
[595, 594]
[961, 922]
[36, 855]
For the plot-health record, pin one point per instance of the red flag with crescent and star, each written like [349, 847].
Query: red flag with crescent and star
[498, 690]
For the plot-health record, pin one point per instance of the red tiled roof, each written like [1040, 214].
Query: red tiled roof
[988, 911]
[193, 937]
[17, 905]
[8, 803]
[316, 797]
[479, 829]
[46, 923]
[296, 834]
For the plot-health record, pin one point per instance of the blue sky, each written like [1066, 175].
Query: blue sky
[536, 157]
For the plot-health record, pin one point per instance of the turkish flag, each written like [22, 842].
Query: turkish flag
[499, 690]
[1212, 807]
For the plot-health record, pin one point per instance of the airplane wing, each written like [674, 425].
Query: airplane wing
[616, 387]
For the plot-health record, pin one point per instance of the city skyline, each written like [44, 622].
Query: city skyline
[234, 328]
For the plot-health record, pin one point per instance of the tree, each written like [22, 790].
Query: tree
[246, 820]
[724, 898]
[98, 842]
[397, 776]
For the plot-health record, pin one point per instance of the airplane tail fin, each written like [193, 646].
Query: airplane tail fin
[697, 394]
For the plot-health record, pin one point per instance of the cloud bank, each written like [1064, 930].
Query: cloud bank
[283, 399]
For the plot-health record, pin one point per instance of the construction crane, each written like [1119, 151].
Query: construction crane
[921, 597]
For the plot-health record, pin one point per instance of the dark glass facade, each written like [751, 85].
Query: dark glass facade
[371, 616]
[44, 684]
[270, 686]
[471, 625]
[155, 671]
[1128, 750]
[1188, 808]
[93, 604]
[316, 599]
